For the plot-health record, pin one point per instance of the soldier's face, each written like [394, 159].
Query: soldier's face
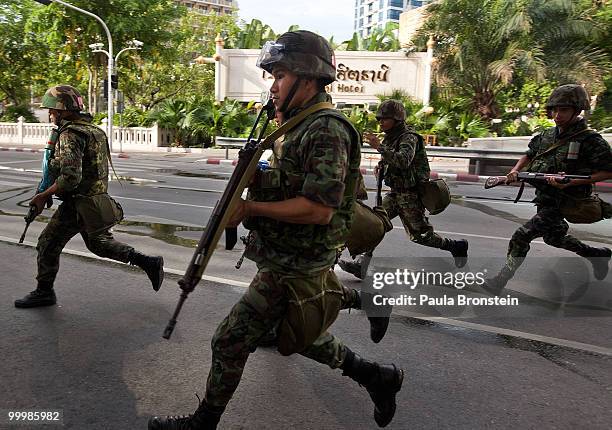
[54, 116]
[283, 82]
[563, 115]
[386, 124]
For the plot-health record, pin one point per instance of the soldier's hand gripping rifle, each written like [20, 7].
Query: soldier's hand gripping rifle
[46, 181]
[533, 178]
[244, 170]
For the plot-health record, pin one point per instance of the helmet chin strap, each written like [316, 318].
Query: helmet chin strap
[290, 95]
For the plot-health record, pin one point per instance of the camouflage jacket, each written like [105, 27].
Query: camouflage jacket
[318, 159]
[80, 163]
[403, 153]
[594, 155]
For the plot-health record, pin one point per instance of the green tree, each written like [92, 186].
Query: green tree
[67, 34]
[17, 64]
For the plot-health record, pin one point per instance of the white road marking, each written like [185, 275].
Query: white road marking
[163, 203]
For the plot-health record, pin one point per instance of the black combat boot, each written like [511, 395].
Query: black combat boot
[496, 284]
[202, 419]
[381, 381]
[599, 258]
[43, 295]
[378, 324]
[459, 250]
[153, 267]
[358, 267]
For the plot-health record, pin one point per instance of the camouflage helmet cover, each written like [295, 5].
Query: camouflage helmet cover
[569, 95]
[303, 53]
[62, 97]
[393, 109]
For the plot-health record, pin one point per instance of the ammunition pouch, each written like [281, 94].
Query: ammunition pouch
[434, 195]
[368, 228]
[98, 212]
[586, 210]
[313, 305]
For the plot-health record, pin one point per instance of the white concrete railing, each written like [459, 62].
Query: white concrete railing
[125, 138]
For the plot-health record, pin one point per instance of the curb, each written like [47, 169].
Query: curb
[454, 177]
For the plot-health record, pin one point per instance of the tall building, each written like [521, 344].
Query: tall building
[370, 14]
[210, 7]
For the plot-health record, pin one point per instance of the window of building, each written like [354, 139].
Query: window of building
[396, 3]
[360, 22]
[380, 15]
[393, 14]
[381, 4]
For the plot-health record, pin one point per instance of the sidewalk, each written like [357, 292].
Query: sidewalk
[452, 169]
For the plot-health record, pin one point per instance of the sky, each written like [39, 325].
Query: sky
[325, 17]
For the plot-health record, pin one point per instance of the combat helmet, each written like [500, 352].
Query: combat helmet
[393, 109]
[304, 53]
[571, 95]
[62, 97]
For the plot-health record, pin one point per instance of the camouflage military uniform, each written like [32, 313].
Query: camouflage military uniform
[320, 161]
[295, 290]
[81, 168]
[548, 223]
[406, 163]
[76, 170]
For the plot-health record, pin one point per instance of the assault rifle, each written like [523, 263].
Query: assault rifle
[530, 178]
[46, 181]
[247, 163]
[28, 220]
[248, 158]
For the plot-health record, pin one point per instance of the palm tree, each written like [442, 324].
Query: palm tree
[483, 44]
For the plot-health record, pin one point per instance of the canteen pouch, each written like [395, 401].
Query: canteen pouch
[435, 195]
[368, 228]
[313, 305]
[587, 210]
[97, 212]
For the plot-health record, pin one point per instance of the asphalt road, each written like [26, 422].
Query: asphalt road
[106, 360]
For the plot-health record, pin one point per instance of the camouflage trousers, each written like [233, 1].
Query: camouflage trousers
[411, 211]
[62, 227]
[549, 224]
[259, 310]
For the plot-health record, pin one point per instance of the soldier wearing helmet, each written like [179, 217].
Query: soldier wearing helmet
[79, 167]
[569, 147]
[405, 165]
[299, 212]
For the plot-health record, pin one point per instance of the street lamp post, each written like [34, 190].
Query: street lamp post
[97, 47]
[110, 62]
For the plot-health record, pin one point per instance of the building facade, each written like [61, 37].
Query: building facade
[210, 7]
[370, 14]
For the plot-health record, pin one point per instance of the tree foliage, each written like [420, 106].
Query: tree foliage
[483, 45]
